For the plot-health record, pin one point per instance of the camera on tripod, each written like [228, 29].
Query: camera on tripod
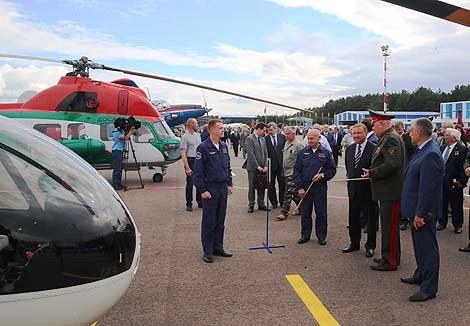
[126, 124]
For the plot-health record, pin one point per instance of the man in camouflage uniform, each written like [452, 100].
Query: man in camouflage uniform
[289, 153]
[386, 174]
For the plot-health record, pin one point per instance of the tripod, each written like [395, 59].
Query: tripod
[125, 155]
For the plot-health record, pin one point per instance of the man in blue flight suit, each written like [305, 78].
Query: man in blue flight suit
[212, 176]
[314, 166]
[422, 201]
[119, 137]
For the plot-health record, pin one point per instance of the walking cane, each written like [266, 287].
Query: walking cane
[296, 210]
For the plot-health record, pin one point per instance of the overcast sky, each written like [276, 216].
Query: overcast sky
[298, 52]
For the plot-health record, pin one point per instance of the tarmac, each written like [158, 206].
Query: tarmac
[173, 286]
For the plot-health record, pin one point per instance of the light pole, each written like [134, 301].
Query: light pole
[385, 54]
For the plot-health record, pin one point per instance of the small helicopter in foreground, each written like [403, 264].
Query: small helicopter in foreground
[69, 247]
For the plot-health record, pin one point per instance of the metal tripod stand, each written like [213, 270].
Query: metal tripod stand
[125, 155]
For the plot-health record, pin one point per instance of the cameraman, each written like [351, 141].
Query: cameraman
[119, 137]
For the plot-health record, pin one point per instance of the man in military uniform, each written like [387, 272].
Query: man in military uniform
[289, 154]
[313, 167]
[212, 176]
[386, 174]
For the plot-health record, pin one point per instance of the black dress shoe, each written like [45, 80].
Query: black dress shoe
[274, 206]
[222, 253]
[303, 240]
[189, 208]
[421, 297]
[369, 252]
[251, 209]
[322, 242]
[199, 205]
[409, 280]
[383, 267]
[403, 226]
[350, 248]
[458, 230]
[465, 249]
[208, 258]
[263, 208]
[440, 227]
[378, 260]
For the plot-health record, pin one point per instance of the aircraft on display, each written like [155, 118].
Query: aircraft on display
[69, 247]
[178, 114]
[80, 112]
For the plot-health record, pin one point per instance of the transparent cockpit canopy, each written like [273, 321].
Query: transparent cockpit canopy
[61, 222]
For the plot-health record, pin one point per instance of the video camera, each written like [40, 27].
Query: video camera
[125, 124]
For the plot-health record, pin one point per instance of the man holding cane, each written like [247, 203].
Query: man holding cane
[313, 167]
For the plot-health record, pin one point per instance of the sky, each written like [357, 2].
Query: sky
[298, 52]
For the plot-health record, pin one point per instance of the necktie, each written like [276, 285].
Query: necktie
[358, 156]
[259, 141]
[274, 142]
[446, 154]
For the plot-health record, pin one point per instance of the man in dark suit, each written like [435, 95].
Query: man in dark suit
[357, 157]
[235, 139]
[329, 136]
[454, 155]
[422, 191]
[256, 162]
[410, 149]
[386, 174]
[275, 143]
[338, 137]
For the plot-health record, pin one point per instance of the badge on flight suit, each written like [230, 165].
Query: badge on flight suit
[212, 153]
[456, 153]
[321, 155]
[224, 150]
[198, 155]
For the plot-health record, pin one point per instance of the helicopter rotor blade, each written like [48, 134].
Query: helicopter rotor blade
[437, 9]
[171, 80]
[25, 57]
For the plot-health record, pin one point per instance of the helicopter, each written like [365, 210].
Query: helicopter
[178, 114]
[69, 247]
[79, 112]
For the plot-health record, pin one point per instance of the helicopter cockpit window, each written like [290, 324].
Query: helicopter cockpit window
[144, 134]
[52, 130]
[76, 131]
[11, 196]
[162, 129]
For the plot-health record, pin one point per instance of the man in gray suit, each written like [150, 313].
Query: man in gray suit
[256, 162]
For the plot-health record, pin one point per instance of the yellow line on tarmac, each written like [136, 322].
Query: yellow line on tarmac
[311, 301]
[95, 323]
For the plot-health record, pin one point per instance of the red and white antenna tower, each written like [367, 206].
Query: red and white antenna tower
[385, 54]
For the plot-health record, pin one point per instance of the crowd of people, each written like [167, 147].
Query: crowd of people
[394, 179]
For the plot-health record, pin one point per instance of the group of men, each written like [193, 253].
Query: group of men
[380, 173]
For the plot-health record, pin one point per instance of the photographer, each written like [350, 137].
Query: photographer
[119, 137]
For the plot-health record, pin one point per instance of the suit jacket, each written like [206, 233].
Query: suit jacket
[275, 154]
[331, 139]
[338, 140]
[256, 153]
[235, 138]
[410, 148]
[388, 167]
[454, 167]
[422, 186]
[359, 189]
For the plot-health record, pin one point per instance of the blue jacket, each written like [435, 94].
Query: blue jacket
[422, 187]
[212, 166]
[308, 163]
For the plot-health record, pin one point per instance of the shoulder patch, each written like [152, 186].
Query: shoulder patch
[198, 155]
[392, 151]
